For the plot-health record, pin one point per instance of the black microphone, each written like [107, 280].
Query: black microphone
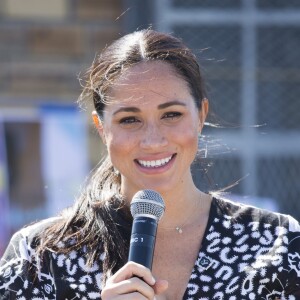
[147, 208]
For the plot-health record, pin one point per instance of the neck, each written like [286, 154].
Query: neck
[182, 202]
[183, 209]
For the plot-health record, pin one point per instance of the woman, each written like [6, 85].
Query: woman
[150, 107]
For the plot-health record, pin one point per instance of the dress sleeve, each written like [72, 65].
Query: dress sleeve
[21, 274]
[293, 281]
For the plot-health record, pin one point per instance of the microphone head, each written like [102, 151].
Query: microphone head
[147, 203]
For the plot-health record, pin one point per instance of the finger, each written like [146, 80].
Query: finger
[131, 296]
[132, 269]
[129, 286]
[160, 286]
[135, 284]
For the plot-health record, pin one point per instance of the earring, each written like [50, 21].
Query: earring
[96, 119]
[116, 172]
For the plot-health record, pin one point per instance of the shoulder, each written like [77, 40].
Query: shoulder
[33, 230]
[24, 241]
[243, 213]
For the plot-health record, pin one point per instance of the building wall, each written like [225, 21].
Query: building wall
[45, 44]
[44, 47]
[248, 50]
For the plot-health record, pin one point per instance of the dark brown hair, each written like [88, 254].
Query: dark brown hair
[100, 219]
[141, 46]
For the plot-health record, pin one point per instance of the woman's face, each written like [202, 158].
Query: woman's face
[151, 128]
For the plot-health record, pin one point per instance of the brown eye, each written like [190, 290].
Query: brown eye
[129, 120]
[172, 115]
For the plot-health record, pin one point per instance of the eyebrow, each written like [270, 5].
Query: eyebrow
[167, 104]
[160, 106]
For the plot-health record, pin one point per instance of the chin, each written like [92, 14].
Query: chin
[159, 187]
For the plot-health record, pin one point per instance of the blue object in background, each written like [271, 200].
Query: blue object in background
[4, 202]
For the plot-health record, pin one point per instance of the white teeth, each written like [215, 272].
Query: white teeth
[154, 163]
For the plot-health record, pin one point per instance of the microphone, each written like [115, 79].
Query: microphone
[147, 208]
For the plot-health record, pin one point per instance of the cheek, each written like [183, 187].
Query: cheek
[188, 139]
[192, 141]
[119, 144]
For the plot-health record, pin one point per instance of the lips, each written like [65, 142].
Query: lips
[155, 163]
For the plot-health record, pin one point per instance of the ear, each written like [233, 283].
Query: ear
[99, 125]
[203, 113]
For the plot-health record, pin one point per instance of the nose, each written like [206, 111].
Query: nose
[153, 137]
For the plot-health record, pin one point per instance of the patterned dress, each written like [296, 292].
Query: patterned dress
[246, 253]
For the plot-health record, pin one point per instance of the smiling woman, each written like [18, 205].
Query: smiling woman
[151, 127]
[150, 108]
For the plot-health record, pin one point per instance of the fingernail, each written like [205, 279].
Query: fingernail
[153, 280]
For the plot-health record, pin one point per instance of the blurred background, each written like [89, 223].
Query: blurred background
[250, 55]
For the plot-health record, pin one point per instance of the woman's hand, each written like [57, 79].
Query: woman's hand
[133, 281]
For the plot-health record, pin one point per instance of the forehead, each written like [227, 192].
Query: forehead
[147, 71]
[148, 80]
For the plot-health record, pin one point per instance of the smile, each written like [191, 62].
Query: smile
[154, 163]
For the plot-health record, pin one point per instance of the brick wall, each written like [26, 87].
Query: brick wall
[45, 44]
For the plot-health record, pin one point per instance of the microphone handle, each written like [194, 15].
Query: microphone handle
[142, 241]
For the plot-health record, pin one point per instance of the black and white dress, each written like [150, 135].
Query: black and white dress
[246, 253]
